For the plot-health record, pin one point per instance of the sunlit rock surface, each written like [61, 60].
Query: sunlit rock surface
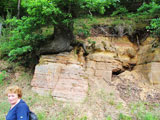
[150, 71]
[61, 76]
[66, 76]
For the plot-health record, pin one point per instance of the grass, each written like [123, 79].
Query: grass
[42, 116]
[99, 105]
[47, 108]
[84, 25]
[124, 117]
[4, 107]
[119, 105]
[145, 111]
[108, 118]
[3, 76]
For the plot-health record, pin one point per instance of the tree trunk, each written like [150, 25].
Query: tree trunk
[61, 40]
[18, 8]
[0, 28]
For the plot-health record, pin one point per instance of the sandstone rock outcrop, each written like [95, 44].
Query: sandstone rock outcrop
[60, 76]
[150, 71]
[66, 76]
[148, 61]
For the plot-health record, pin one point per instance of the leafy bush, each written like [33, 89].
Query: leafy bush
[22, 38]
[149, 9]
[120, 11]
[13, 54]
[84, 31]
[145, 7]
[155, 27]
[148, 14]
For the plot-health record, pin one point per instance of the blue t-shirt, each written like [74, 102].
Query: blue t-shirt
[19, 112]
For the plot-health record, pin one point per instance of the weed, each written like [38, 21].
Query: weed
[124, 117]
[123, 27]
[143, 111]
[41, 116]
[111, 102]
[149, 116]
[120, 11]
[119, 106]
[102, 95]
[111, 94]
[108, 118]
[3, 75]
[67, 113]
[31, 101]
[83, 118]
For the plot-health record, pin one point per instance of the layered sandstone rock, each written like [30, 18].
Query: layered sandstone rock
[66, 76]
[101, 65]
[148, 61]
[60, 76]
[148, 52]
[150, 71]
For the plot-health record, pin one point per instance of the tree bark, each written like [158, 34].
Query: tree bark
[0, 28]
[61, 40]
[18, 8]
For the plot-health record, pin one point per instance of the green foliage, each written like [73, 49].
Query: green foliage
[91, 42]
[63, 11]
[13, 54]
[147, 15]
[3, 75]
[145, 7]
[22, 37]
[120, 11]
[156, 1]
[152, 9]
[84, 31]
[8, 6]
[149, 9]
[155, 27]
